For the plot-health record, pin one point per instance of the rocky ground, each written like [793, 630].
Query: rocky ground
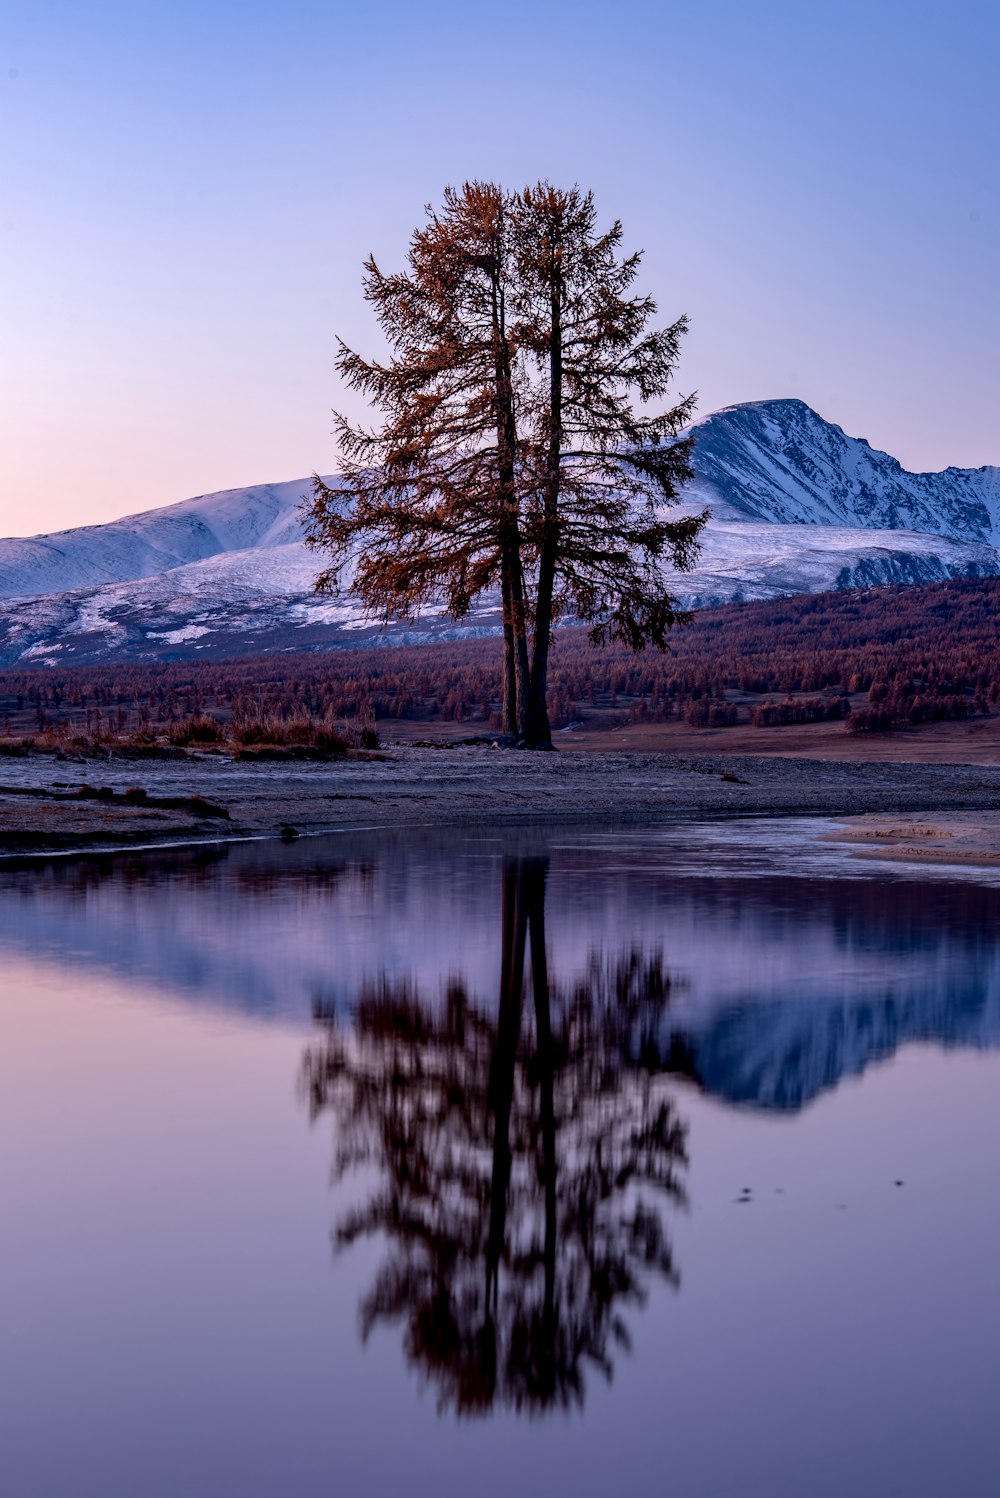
[51, 804]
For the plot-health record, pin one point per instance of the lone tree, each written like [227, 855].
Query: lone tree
[517, 444]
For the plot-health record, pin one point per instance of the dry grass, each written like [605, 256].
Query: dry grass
[319, 736]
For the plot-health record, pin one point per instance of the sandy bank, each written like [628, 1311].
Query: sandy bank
[971, 838]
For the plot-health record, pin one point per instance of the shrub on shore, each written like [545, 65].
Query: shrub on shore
[248, 730]
[299, 730]
[197, 730]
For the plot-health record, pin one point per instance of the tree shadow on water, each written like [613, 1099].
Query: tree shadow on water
[524, 1153]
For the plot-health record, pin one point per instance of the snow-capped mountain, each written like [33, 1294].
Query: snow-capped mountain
[753, 559]
[778, 461]
[797, 506]
[153, 542]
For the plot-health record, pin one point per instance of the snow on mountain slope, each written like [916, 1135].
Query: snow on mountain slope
[154, 541]
[244, 602]
[779, 461]
[797, 506]
[235, 603]
[747, 559]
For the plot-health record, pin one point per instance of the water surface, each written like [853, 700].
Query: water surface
[579, 1162]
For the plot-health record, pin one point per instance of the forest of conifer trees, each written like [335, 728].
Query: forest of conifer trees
[877, 659]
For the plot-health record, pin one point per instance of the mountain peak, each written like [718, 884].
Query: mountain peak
[780, 461]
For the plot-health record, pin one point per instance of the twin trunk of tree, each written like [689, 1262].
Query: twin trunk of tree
[525, 696]
[525, 712]
[523, 928]
[549, 549]
[517, 716]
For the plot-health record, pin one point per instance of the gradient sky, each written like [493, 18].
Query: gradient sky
[187, 191]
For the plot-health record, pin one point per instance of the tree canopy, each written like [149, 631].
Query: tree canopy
[519, 443]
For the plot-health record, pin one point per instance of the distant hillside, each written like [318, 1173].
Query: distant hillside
[889, 655]
[797, 506]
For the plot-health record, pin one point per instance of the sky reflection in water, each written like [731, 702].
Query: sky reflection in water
[600, 1157]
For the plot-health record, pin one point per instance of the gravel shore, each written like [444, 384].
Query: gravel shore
[42, 810]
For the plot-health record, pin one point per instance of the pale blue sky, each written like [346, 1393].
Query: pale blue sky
[187, 192]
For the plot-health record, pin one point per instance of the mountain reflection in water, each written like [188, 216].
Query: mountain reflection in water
[525, 1152]
[782, 985]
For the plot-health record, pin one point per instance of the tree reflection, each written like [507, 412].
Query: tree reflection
[524, 1156]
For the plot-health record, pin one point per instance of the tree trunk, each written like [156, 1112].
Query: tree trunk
[541, 737]
[541, 729]
[508, 707]
[522, 670]
[500, 1097]
[535, 884]
[516, 664]
[519, 680]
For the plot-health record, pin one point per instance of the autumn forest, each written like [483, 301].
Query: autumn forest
[877, 658]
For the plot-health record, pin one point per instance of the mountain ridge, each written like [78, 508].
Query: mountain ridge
[780, 461]
[796, 506]
[149, 542]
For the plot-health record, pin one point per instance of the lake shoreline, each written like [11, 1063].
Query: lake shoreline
[50, 805]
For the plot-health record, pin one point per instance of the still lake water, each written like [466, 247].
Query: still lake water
[572, 1163]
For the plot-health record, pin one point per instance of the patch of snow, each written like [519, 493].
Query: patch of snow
[178, 636]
